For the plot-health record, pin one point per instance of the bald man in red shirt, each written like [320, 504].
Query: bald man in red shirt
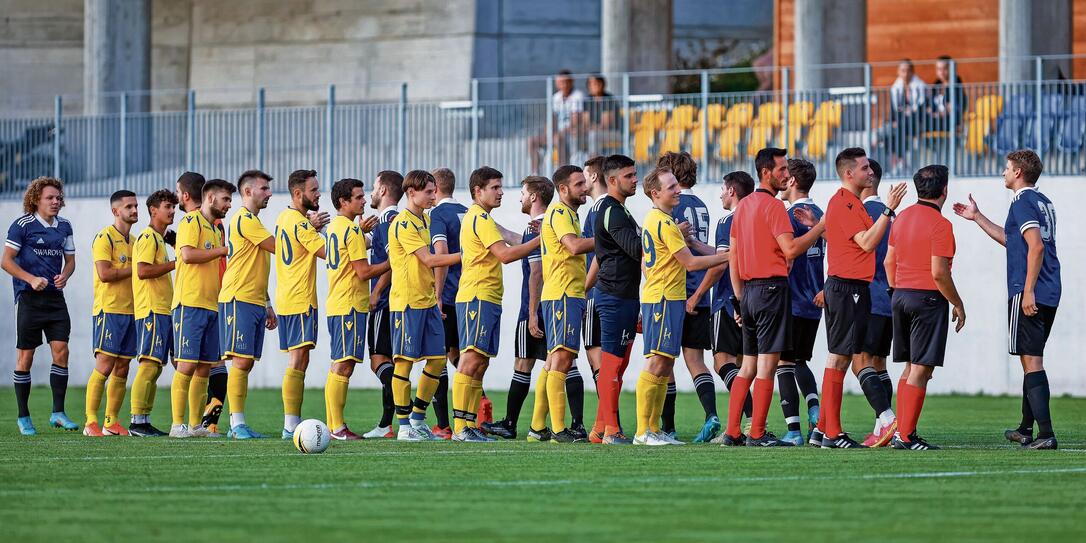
[851, 240]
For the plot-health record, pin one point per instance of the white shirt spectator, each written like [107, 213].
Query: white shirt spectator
[910, 102]
[566, 106]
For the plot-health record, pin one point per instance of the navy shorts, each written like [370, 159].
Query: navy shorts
[662, 327]
[479, 323]
[298, 331]
[618, 322]
[241, 329]
[348, 336]
[114, 335]
[563, 319]
[195, 335]
[154, 340]
[418, 334]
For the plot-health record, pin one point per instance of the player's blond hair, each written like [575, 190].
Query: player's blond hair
[34, 190]
[652, 180]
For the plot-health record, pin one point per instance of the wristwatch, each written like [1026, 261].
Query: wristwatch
[888, 212]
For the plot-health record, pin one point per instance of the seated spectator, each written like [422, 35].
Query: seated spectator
[940, 110]
[907, 99]
[601, 118]
[567, 103]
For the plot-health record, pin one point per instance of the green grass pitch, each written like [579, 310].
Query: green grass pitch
[64, 487]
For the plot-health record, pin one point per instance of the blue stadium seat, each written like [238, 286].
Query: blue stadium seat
[1072, 127]
[1012, 123]
[1052, 112]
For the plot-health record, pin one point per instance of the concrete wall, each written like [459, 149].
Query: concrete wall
[976, 358]
[41, 53]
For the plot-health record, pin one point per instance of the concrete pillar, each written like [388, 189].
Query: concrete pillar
[1015, 40]
[635, 36]
[1051, 35]
[116, 53]
[809, 27]
[829, 32]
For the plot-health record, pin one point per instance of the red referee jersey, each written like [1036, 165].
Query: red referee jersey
[758, 220]
[920, 232]
[846, 217]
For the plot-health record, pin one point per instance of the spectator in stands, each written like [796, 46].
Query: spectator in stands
[907, 100]
[940, 110]
[601, 118]
[567, 104]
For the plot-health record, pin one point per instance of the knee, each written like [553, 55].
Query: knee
[120, 369]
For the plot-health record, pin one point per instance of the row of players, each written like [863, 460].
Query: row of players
[780, 269]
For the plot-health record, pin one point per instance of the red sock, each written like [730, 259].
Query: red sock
[832, 391]
[763, 396]
[917, 402]
[905, 406]
[606, 383]
[736, 398]
[822, 409]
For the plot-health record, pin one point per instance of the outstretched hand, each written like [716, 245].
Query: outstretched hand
[968, 211]
[897, 193]
[805, 216]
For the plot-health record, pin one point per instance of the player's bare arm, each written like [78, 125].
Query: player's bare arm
[13, 269]
[109, 274]
[940, 272]
[1035, 256]
[577, 245]
[869, 239]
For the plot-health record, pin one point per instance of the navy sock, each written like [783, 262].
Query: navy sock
[518, 392]
[805, 379]
[388, 407]
[1038, 392]
[786, 382]
[58, 383]
[667, 417]
[873, 390]
[706, 389]
[21, 380]
[575, 396]
[441, 398]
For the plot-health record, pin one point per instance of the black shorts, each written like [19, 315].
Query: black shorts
[697, 330]
[379, 333]
[767, 316]
[880, 330]
[727, 336]
[529, 346]
[591, 325]
[921, 323]
[848, 308]
[38, 313]
[452, 328]
[1028, 335]
[804, 332]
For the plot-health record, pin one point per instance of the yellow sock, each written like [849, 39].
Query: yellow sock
[95, 387]
[428, 382]
[293, 391]
[473, 405]
[335, 397]
[114, 397]
[646, 401]
[140, 384]
[197, 400]
[461, 400]
[179, 396]
[153, 390]
[541, 409]
[401, 389]
[237, 389]
[658, 408]
[556, 398]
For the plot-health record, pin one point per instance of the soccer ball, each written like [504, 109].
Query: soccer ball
[312, 437]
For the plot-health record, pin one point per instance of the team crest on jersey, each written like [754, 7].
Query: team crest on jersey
[124, 258]
[207, 245]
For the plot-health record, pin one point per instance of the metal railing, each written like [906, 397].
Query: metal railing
[969, 127]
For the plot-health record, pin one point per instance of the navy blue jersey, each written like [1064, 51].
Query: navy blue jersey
[40, 248]
[588, 230]
[526, 271]
[379, 251]
[722, 290]
[445, 220]
[880, 298]
[807, 275]
[1031, 209]
[692, 210]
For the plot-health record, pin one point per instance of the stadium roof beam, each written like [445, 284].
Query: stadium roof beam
[635, 36]
[116, 54]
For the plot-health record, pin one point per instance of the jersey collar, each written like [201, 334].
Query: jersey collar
[929, 204]
[444, 200]
[687, 191]
[1022, 191]
[56, 221]
[540, 216]
[807, 200]
[873, 198]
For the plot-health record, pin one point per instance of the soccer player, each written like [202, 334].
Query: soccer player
[417, 331]
[880, 330]
[696, 333]
[479, 300]
[761, 243]
[39, 255]
[152, 291]
[195, 312]
[349, 273]
[851, 240]
[298, 245]
[918, 261]
[663, 301]
[445, 220]
[618, 260]
[805, 282]
[563, 298]
[114, 336]
[386, 194]
[1033, 283]
[245, 311]
[597, 189]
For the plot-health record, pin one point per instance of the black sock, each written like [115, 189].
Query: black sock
[805, 379]
[786, 382]
[216, 390]
[667, 417]
[887, 385]
[1026, 426]
[706, 389]
[388, 407]
[728, 372]
[58, 383]
[22, 391]
[575, 396]
[872, 387]
[518, 392]
[1038, 392]
[441, 398]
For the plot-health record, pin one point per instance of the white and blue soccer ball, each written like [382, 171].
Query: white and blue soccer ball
[312, 436]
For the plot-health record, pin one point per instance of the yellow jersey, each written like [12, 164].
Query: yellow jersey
[665, 276]
[412, 282]
[247, 265]
[563, 272]
[345, 244]
[150, 295]
[197, 285]
[481, 271]
[115, 297]
[296, 246]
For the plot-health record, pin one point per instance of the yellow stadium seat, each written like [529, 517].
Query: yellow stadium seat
[988, 106]
[740, 115]
[682, 117]
[979, 122]
[696, 149]
[769, 114]
[643, 140]
[799, 113]
[729, 139]
[818, 137]
[673, 141]
[760, 136]
[716, 116]
[828, 113]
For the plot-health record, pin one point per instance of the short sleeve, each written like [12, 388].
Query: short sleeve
[486, 229]
[15, 236]
[409, 236]
[779, 220]
[380, 243]
[562, 223]
[69, 237]
[439, 230]
[672, 237]
[723, 243]
[1025, 214]
[188, 232]
[145, 249]
[942, 241]
[101, 249]
[252, 229]
[536, 255]
[308, 237]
